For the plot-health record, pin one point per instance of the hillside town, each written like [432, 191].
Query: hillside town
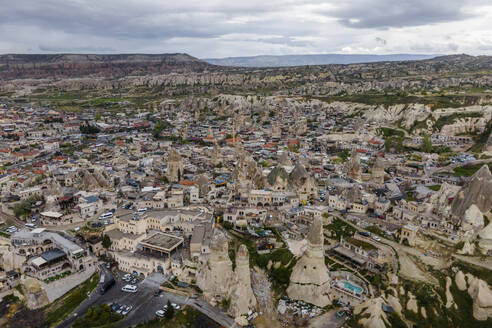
[142, 203]
[269, 209]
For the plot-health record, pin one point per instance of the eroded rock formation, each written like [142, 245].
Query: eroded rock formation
[214, 272]
[242, 297]
[310, 279]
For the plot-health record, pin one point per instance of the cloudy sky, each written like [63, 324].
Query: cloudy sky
[222, 28]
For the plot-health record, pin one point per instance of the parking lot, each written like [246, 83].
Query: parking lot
[144, 303]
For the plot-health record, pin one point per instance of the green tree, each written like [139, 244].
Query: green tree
[106, 242]
[387, 144]
[399, 145]
[426, 145]
[169, 314]
[97, 116]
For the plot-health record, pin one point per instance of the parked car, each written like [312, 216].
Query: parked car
[157, 292]
[127, 310]
[160, 313]
[365, 233]
[115, 307]
[129, 288]
[376, 238]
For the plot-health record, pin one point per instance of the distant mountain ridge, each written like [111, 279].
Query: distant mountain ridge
[318, 59]
[36, 66]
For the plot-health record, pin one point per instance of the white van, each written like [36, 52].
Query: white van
[30, 225]
[141, 210]
[106, 216]
[129, 288]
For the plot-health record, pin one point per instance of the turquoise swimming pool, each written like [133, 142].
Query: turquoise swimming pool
[353, 288]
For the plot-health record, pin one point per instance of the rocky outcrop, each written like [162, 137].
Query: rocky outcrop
[278, 178]
[247, 174]
[481, 294]
[95, 180]
[472, 219]
[214, 272]
[353, 168]
[440, 200]
[460, 280]
[242, 297]
[488, 145]
[371, 313]
[310, 279]
[449, 297]
[485, 241]
[468, 248]
[476, 192]
[284, 159]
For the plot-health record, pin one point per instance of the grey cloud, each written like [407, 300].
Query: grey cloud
[215, 28]
[391, 13]
[380, 41]
[48, 48]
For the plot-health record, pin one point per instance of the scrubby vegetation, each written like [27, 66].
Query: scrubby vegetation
[468, 170]
[62, 307]
[339, 228]
[98, 316]
[279, 275]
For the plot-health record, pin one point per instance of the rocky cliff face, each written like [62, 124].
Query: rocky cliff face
[310, 279]
[79, 65]
[479, 291]
[476, 192]
[242, 297]
[214, 273]
[180, 74]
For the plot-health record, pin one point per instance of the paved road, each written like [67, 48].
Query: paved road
[12, 219]
[85, 305]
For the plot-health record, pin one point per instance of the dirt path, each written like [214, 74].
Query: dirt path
[478, 261]
[409, 269]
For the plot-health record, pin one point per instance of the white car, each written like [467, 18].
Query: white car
[376, 238]
[129, 288]
[127, 309]
[175, 306]
[160, 313]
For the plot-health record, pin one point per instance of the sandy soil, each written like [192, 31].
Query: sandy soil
[409, 269]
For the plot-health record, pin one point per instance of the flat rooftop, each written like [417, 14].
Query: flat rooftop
[162, 241]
